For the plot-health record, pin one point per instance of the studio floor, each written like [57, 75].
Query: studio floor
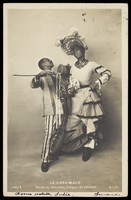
[69, 174]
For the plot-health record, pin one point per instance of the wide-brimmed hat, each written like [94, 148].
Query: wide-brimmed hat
[68, 43]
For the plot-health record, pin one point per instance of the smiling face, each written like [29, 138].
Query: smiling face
[78, 52]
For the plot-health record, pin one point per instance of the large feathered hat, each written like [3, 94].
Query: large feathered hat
[69, 42]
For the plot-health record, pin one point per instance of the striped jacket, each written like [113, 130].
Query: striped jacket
[51, 104]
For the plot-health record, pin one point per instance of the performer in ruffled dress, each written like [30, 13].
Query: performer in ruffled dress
[83, 125]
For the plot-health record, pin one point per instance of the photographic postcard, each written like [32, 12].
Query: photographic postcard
[30, 34]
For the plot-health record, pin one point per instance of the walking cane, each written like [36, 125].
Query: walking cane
[27, 75]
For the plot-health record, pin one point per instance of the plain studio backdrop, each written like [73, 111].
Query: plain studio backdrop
[31, 36]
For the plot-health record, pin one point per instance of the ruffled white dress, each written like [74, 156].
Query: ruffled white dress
[86, 109]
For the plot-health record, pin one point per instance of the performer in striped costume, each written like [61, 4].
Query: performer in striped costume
[52, 107]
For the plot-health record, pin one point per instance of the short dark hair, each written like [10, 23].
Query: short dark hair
[41, 62]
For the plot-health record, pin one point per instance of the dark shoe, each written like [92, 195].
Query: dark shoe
[53, 157]
[86, 153]
[44, 167]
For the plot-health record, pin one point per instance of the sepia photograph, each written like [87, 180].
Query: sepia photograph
[65, 100]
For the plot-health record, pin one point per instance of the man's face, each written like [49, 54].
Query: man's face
[77, 52]
[47, 64]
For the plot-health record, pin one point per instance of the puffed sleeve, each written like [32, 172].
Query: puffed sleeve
[35, 83]
[105, 74]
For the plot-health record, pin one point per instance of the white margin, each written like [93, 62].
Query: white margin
[124, 8]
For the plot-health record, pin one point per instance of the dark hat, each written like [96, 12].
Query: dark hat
[64, 69]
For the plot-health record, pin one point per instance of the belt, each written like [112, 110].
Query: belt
[84, 86]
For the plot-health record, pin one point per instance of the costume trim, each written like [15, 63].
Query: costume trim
[92, 102]
[107, 70]
[89, 117]
[100, 81]
[98, 68]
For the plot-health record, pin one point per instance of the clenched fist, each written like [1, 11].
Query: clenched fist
[41, 74]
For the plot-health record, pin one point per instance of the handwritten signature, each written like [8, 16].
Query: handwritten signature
[64, 194]
[43, 193]
[105, 194]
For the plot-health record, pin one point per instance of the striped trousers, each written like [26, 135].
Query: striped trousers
[50, 125]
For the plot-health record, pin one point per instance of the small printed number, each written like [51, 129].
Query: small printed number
[113, 187]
